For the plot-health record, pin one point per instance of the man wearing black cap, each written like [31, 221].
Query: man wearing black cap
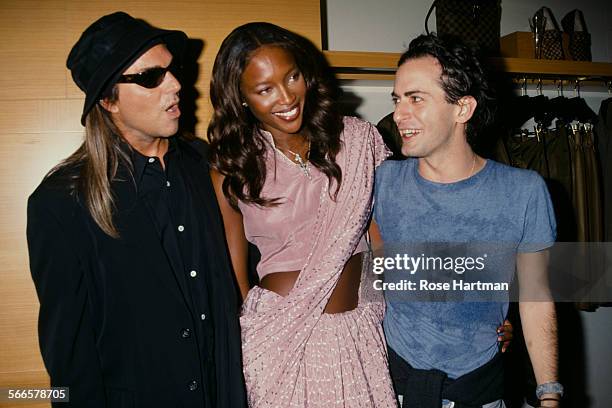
[137, 303]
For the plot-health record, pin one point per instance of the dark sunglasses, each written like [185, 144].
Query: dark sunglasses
[151, 78]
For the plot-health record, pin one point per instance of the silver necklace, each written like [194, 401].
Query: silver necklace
[473, 166]
[304, 164]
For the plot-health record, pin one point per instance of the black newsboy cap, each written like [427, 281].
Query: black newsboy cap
[109, 46]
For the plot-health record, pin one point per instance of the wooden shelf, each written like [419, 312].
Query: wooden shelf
[552, 68]
[362, 60]
[368, 76]
[382, 65]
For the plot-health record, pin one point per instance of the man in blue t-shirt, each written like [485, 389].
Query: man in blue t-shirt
[445, 353]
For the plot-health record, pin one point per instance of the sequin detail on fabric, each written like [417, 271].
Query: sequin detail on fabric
[295, 355]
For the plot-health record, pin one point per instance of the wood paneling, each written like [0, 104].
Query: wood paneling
[26, 157]
[40, 109]
[33, 49]
[25, 379]
[36, 116]
[209, 21]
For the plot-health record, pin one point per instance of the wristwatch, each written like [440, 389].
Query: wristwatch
[552, 387]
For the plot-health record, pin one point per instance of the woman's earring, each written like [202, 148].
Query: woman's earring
[245, 104]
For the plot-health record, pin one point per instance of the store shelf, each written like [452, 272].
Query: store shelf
[552, 68]
[382, 65]
[362, 60]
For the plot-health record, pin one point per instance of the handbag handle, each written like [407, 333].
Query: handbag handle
[433, 6]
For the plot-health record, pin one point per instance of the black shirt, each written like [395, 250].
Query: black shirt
[121, 317]
[170, 202]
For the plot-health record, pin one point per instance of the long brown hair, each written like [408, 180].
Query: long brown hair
[97, 160]
[236, 149]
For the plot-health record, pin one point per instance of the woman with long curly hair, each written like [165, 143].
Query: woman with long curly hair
[295, 178]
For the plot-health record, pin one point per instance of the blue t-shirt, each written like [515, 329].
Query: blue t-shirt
[499, 204]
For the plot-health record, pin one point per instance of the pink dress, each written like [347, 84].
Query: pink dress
[295, 355]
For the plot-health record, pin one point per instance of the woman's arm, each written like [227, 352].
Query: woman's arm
[234, 234]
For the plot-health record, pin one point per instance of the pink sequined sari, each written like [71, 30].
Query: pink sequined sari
[294, 354]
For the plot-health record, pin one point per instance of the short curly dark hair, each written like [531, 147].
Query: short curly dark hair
[462, 75]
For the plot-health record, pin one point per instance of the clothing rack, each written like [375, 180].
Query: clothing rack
[538, 129]
[561, 82]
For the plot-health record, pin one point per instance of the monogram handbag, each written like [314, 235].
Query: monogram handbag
[476, 22]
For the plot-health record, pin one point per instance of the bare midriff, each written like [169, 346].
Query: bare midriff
[344, 297]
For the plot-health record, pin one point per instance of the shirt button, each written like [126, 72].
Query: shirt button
[181, 228]
[193, 274]
[203, 316]
[167, 184]
[186, 333]
[151, 159]
[193, 386]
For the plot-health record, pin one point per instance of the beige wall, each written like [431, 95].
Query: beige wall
[39, 122]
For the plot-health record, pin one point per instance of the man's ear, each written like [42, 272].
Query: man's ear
[467, 106]
[108, 105]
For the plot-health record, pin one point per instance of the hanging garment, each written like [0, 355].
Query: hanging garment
[586, 173]
[548, 153]
[603, 139]
[579, 182]
[593, 185]
[603, 133]
[566, 157]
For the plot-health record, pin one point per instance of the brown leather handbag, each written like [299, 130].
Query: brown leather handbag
[476, 22]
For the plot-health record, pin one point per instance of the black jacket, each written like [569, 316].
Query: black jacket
[113, 312]
[427, 388]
